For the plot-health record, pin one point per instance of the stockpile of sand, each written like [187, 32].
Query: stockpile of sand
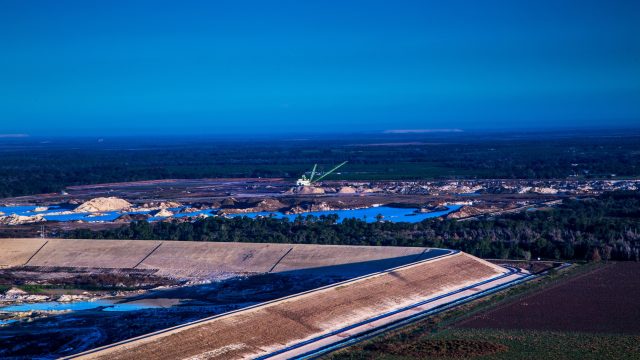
[307, 207]
[161, 205]
[270, 205]
[162, 213]
[310, 190]
[544, 190]
[264, 205]
[347, 190]
[19, 219]
[468, 211]
[103, 204]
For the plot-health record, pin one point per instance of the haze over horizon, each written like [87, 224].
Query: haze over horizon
[153, 67]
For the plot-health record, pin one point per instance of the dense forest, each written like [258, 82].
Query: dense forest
[33, 166]
[607, 227]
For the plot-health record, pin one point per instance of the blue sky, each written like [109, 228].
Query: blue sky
[216, 67]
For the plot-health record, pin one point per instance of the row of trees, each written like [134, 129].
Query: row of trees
[605, 227]
[28, 166]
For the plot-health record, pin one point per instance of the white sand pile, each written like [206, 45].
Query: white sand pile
[347, 190]
[544, 190]
[161, 205]
[162, 213]
[103, 204]
[18, 219]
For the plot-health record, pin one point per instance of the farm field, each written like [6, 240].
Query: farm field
[606, 300]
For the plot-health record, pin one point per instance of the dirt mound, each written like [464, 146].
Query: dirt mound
[307, 207]
[467, 211]
[270, 205]
[162, 205]
[19, 219]
[162, 213]
[103, 204]
[347, 190]
[309, 190]
[229, 202]
[544, 190]
[264, 205]
[127, 218]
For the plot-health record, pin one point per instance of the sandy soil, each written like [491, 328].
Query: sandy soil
[259, 330]
[189, 259]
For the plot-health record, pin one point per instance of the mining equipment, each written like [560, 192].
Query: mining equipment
[304, 181]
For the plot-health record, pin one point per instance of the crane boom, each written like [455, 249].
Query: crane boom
[330, 171]
[313, 172]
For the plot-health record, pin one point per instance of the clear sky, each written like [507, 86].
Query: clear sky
[215, 67]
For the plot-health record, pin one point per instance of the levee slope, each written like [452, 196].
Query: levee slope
[335, 256]
[188, 258]
[196, 259]
[264, 329]
[116, 254]
[16, 252]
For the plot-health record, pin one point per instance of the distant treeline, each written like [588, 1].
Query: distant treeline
[607, 227]
[32, 167]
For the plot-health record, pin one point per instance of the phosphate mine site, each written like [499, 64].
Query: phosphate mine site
[203, 300]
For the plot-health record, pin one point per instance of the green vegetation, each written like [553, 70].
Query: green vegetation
[30, 166]
[33, 289]
[605, 228]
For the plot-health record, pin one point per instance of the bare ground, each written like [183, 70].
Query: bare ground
[254, 331]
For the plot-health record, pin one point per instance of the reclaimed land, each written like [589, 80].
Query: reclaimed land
[266, 328]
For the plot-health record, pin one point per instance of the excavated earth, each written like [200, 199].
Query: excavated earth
[260, 330]
[221, 277]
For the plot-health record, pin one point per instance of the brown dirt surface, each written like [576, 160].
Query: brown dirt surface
[92, 253]
[203, 259]
[271, 326]
[15, 252]
[605, 300]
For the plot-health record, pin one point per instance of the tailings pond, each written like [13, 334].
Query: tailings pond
[393, 214]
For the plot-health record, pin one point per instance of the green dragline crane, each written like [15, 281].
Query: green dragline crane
[303, 181]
